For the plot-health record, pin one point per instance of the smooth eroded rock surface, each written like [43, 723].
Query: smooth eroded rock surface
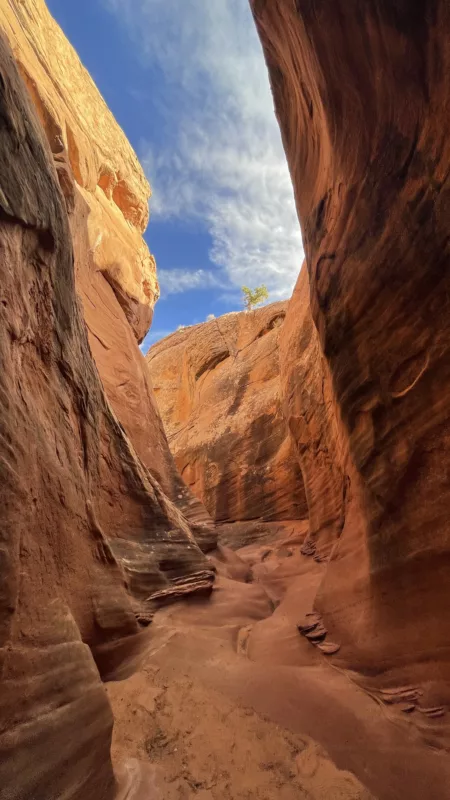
[310, 413]
[362, 96]
[87, 142]
[229, 694]
[88, 537]
[218, 389]
[106, 194]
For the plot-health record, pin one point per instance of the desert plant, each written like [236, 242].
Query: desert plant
[253, 297]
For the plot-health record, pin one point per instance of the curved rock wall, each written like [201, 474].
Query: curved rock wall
[310, 412]
[86, 139]
[362, 97]
[106, 195]
[218, 389]
[126, 379]
[89, 540]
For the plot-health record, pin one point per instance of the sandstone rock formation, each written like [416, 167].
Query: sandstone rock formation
[106, 195]
[218, 389]
[86, 141]
[362, 97]
[88, 537]
[310, 413]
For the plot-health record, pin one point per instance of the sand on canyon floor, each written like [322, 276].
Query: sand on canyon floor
[231, 703]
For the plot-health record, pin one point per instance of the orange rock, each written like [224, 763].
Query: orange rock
[310, 413]
[88, 535]
[106, 195]
[82, 131]
[217, 387]
[362, 98]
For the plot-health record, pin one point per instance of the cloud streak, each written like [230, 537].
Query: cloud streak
[176, 281]
[221, 162]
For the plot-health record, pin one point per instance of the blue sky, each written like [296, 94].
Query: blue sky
[188, 84]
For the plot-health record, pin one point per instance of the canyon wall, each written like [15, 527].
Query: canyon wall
[362, 97]
[106, 195]
[218, 389]
[310, 412]
[90, 539]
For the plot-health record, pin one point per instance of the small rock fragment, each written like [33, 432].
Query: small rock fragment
[308, 549]
[329, 648]
[317, 634]
[436, 711]
[307, 627]
[401, 694]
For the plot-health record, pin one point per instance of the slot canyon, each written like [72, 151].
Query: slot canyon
[224, 563]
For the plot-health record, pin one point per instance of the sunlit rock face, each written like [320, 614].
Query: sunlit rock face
[106, 195]
[89, 538]
[88, 143]
[362, 96]
[218, 389]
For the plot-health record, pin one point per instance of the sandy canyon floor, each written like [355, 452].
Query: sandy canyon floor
[231, 703]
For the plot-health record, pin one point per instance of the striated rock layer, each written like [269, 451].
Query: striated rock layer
[218, 389]
[87, 142]
[106, 195]
[88, 537]
[310, 412]
[362, 96]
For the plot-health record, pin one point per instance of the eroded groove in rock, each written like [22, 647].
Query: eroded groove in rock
[76, 503]
[310, 413]
[218, 390]
[362, 96]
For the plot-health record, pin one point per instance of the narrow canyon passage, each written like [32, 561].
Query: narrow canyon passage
[232, 702]
[224, 563]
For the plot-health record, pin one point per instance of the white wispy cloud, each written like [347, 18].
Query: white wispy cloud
[175, 281]
[222, 160]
